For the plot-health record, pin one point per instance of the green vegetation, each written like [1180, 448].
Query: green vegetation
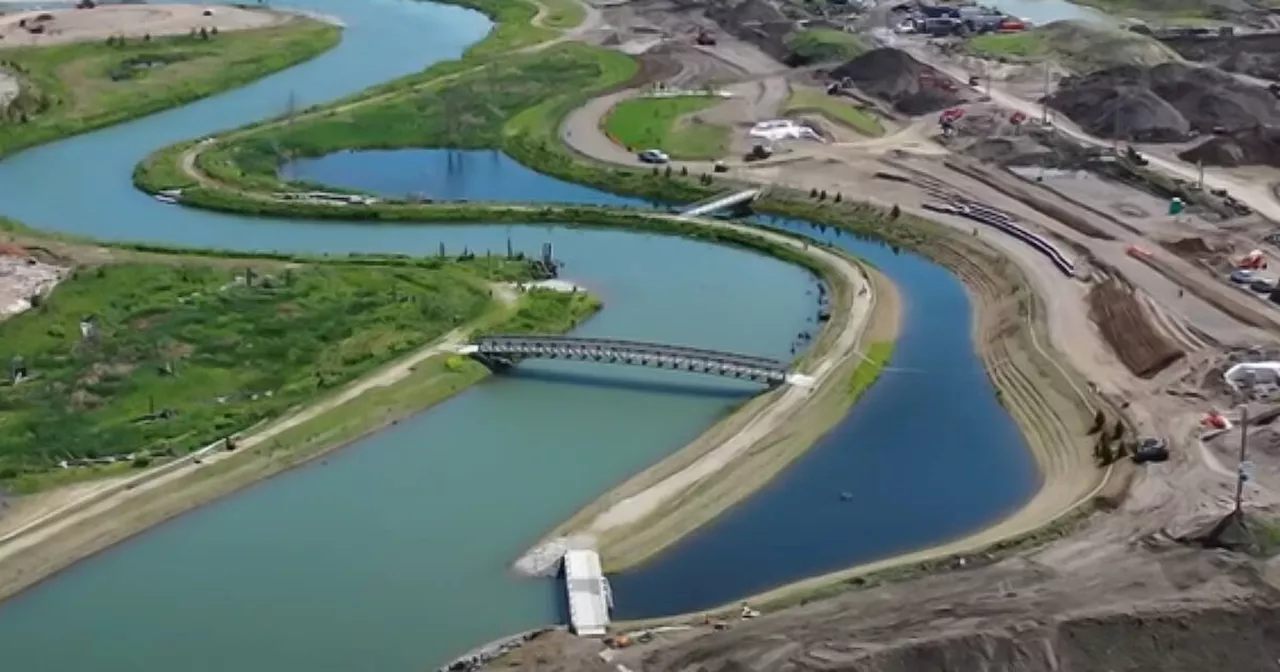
[513, 25]
[824, 45]
[151, 360]
[432, 380]
[545, 311]
[665, 123]
[466, 112]
[563, 14]
[877, 357]
[836, 109]
[1184, 12]
[75, 88]
[1080, 46]
[1028, 44]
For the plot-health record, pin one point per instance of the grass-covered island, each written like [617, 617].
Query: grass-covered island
[148, 357]
[66, 89]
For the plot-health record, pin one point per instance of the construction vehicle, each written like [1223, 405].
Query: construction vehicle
[704, 38]
[758, 153]
[1253, 261]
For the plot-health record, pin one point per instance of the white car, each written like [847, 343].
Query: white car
[653, 156]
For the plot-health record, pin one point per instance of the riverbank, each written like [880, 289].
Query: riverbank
[673, 498]
[1051, 405]
[69, 81]
[91, 517]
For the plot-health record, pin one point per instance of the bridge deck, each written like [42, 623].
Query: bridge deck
[699, 209]
[489, 342]
[588, 593]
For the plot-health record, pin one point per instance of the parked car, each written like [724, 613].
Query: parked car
[1242, 276]
[653, 156]
[1262, 284]
[1151, 449]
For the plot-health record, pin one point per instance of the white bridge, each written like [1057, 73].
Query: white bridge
[720, 202]
[590, 599]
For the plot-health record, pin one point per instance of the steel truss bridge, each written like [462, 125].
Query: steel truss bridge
[500, 351]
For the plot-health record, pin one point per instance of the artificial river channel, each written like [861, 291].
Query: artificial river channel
[393, 553]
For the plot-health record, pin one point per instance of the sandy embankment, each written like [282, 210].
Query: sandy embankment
[633, 521]
[81, 25]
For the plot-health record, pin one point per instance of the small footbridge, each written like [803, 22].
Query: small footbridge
[500, 351]
[721, 202]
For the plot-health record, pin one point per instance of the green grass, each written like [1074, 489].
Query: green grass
[836, 109]
[1080, 46]
[824, 45]
[467, 112]
[75, 88]
[221, 354]
[1027, 44]
[878, 355]
[664, 123]
[563, 14]
[512, 26]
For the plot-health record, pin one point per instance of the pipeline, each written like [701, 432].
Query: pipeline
[1001, 220]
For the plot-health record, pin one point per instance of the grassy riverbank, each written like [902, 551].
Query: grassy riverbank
[75, 88]
[139, 362]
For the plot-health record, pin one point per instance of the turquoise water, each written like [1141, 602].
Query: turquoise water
[392, 554]
[444, 175]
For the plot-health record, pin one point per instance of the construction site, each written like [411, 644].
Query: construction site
[1156, 275]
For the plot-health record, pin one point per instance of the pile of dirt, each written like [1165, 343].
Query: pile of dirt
[1084, 46]
[912, 87]
[1249, 147]
[1190, 247]
[1256, 55]
[1166, 103]
[1127, 330]
[754, 21]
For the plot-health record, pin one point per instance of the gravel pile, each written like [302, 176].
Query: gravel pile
[1167, 103]
[910, 86]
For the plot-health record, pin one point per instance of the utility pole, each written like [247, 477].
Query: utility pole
[1244, 446]
[1045, 118]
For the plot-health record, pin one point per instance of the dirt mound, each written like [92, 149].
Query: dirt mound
[1164, 103]
[1085, 46]
[754, 21]
[1242, 636]
[1127, 330]
[1251, 147]
[1256, 55]
[911, 86]
[1194, 247]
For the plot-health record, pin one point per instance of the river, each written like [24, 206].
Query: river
[392, 554]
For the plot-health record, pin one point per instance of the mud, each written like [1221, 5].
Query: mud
[1133, 338]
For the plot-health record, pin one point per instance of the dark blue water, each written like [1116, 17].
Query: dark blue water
[928, 453]
[445, 175]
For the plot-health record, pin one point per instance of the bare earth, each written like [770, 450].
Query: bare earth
[81, 25]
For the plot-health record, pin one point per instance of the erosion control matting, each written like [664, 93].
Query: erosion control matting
[1119, 316]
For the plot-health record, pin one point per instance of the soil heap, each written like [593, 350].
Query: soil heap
[912, 87]
[754, 21]
[1166, 103]
[1255, 55]
[1251, 147]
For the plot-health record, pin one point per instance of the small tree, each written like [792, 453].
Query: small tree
[896, 212]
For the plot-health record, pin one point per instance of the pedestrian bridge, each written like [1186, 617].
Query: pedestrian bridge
[720, 202]
[500, 351]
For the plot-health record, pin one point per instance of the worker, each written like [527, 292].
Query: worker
[1179, 293]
